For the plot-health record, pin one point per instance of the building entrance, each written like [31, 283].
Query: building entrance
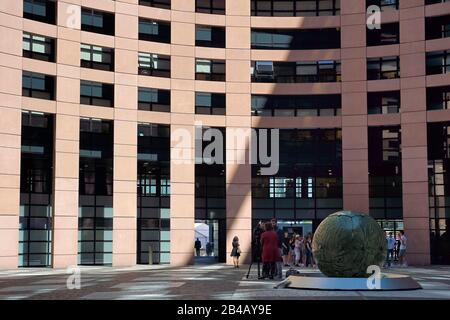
[209, 241]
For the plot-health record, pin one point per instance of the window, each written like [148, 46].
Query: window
[97, 21]
[163, 4]
[383, 102]
[210, 6]
[438, 98]
[437, 27]
[96, 93]
[152, 64]
[36, 188]
[154, 99]
[383, 68]
[38, 47]
[328, 38]
[299, 8]
[95, 212]
[309, 181]
[95, 57]
[383, 4]
[438, 137]
[210, 70]
[210, 103]
[153, 30]
[388, 34]
[40, 10]
[296, 72]
[296, 106]
[37, 85]
[427, 2]
[208, 36]
[153, 193]
[385, 172]
[438, 62]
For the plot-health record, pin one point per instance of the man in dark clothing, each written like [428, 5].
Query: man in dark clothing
[198, 246]
[280, 234]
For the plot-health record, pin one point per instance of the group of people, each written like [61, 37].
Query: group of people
[276, 248]
[198, 247]
[396, 249]
[273, 248]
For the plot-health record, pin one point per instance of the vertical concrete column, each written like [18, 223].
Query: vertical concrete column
[238, 122]
[125, 135]
[67, 146]
[182, 165]
[414, 131]
[354, 106]
[10, 130]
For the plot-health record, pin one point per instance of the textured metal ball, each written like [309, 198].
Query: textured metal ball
[346, 243]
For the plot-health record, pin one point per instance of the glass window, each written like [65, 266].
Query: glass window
[164, 4]
[96, 93]
[40, 10]
[154, 99]
[154, 65]
[95, 57]
[97, 21]
[38, 47]
[210, 70]
[153, 30]
[37, 85]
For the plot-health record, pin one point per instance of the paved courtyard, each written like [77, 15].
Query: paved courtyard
[194, 282]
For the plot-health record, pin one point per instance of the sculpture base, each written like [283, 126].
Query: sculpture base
[317, 281]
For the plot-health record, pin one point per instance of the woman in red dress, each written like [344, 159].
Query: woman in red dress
[270, 251]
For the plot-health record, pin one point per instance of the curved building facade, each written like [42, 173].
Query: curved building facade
[98, 95]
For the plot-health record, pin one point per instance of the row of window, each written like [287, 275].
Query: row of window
[102, 21]
[42, 86]
[95, 57]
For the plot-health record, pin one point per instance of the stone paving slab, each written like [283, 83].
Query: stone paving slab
[196, 283]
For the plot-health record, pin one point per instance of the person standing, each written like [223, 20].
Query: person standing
[297, 245]
[390, 241]
[279, 261]
[308, 251]
[208, 249]
[256, 247]
[397, 246]
[198, 246]
[402, 251]
[236, 251]
[270, 251]
[285, 249]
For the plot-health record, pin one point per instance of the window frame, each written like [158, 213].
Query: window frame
[162, 35]
[108, 21]
[217, 104]
[378, 73]
[213, 7]
[212, 75]
[93, 49]
[295, 12]
[162, 4]
[152, 105]
[50, 5]
[48, 42]
[107, 89]
[151, 70]
[47, 93]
